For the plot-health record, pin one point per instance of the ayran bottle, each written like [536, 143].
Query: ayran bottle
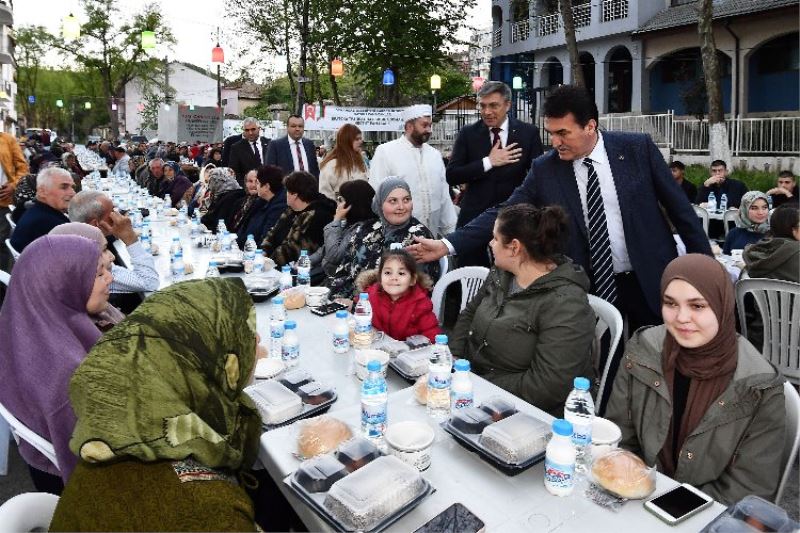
[461, 394]
[559, 460]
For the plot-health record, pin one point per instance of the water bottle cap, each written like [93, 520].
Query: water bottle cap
[278, 300]
[286, 268]
[581, 383]
[290, 324]
[258, 251]
[562, 427]
[462, 365]
[179, 254]
[212, 264]
[303, 252]
[374, 366]
[341, 313]
[176, 238]
[250, 236]
[441, 339]
[363, 296]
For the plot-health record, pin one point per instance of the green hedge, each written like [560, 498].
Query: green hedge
[756, 180]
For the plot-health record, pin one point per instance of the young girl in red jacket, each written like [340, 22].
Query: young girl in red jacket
[399, 295]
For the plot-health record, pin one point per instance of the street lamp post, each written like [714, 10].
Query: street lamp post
[436, 84]
[516, 85]
[218, 57]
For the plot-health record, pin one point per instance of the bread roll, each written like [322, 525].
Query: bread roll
[421, 389]
[622, 473]
[294, 298]
[321, 435]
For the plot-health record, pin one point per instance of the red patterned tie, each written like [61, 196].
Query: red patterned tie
[299, 157]
[496, 137]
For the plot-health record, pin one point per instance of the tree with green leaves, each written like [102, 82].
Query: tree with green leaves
[28, 55]
[112, 48]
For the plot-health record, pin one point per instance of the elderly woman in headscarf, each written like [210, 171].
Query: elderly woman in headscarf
[162, 419]
[695, 398]
[224, 197]
[752, 222]
[175, 183]
[245, 208]
[47, 325]
[395, 225]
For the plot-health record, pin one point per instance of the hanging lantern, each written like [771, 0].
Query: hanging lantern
[113, 106]
[71, 28]
[217, 55]
[140, 107]
[166, 107]
[436, 82]
[388, 77]
[87, 105]
[191, 107]
[31, 99]
[516, 83]
[148, 40]
[337, 68]
[59, 103]
[477, 83]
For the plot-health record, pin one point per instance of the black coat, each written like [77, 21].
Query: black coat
[229, 141]
[223, 207]
[243, 160]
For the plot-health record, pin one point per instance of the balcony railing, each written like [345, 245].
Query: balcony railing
[548, 24]
[582, 15]
[497, 37]
[520, 30]
[614, 10]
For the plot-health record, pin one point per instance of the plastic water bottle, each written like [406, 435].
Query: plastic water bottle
[182, 215]
[226, 241]
[285, 281]
[277, 318]
[559, 460]
[374, 400]
[221, 226]
[362, 337]
[194, 225]
[213, 270]
[461, 395]
[723, 202]
[177, 266]
[290, 350]
[146, 243]
[258, 261]
[175, 247]
[712, 202]
[341, 333]
[579, 411]
[249, 254]
[304, 269]
[439, 379]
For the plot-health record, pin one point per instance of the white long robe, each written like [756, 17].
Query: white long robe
[423, 169]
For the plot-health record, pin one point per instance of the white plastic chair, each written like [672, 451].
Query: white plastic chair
[5, 431]
[792, 440]
[5, 277]
[702, 214]
[608, 319]
[444, 266]
[11, 249]
[729, 216]
[471, 279]
[778, 302]
[21, 431]
[11, 221]
[30, 511]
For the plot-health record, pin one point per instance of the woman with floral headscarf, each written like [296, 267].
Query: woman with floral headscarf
[175, 183]
[225, 195]
[752, 222]
[164, 429]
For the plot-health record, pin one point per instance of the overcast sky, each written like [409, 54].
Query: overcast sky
[193, 22]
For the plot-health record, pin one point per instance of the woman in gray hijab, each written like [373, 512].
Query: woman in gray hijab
[225, 198]
[395, 225]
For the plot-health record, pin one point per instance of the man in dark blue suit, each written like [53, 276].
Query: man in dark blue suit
[293, 153]
[248, 153]
[611, 184]
[491, 158]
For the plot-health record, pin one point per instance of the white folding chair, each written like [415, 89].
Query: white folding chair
[444, 266]
[729, 216]
[471, 279]
[778, 302]
[11, 221]
[30, 511]
[21, 431]
[792, 438]
[608, 318]
[5, 431]
[11, 249]
[702, 214]
[5, 277]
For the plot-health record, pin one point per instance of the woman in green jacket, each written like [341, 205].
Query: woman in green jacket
[530, 328]
[164, 429]
[695, 398]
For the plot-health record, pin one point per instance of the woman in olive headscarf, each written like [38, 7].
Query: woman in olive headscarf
[395, 225]
[695, 398]
[163, 426]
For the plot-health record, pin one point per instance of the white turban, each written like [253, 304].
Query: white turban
[416, 111]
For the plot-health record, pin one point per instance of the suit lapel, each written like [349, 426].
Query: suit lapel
[565, 177]
[513, 135]
[621, 164]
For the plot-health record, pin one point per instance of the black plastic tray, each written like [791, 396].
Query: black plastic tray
[307, 412]
[470, 441]
[314, 501]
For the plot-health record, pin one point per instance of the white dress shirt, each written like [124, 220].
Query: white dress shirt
[608, 190]
[503, 133]
[293, 149]
[141, 277]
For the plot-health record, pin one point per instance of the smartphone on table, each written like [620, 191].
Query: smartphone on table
[454, 519]
[678, 504]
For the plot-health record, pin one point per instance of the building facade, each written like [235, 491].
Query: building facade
[480, 53]
[8, 87]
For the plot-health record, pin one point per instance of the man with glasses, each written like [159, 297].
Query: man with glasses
[491, 158]
[250, 152]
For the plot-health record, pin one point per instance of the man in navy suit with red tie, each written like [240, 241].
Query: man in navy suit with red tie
[294, 153]
[490, 159]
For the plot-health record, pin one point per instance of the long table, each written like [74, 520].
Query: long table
[504, 503]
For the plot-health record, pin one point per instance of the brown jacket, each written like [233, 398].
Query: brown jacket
[12, 161]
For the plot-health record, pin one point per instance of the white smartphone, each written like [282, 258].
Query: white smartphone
[678, 504]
